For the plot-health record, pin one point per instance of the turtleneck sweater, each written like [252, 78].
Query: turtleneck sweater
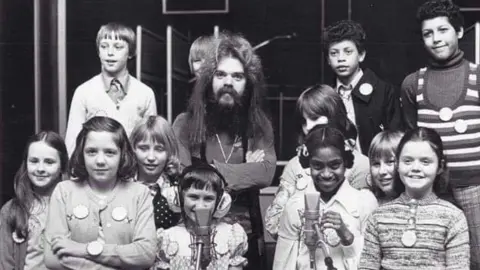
[441, 236]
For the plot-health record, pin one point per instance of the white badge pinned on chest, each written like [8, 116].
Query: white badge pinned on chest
[409, 238]
[301, 183]
[446, 114]
[119, 213]
[366, 89]
[80, 211]
[460, 126]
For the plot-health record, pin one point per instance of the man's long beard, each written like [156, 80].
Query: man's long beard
[228, 118]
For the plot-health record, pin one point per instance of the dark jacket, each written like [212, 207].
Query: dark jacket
[12, 254]
[377, 111]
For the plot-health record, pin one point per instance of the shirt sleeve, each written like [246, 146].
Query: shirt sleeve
[393, 115]
[368, 205]
[141, 252]
[371, 255]
[253, 174]
[285, 190]
[181, 132]
[7, 259]
[457, 244]
[56, 226]
[151, 104]
[76, 118]
[409, 102]
[238, 246]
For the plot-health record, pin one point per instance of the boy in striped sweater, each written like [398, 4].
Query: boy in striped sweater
[445, 96]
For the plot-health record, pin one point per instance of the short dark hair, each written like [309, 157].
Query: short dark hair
[441, 8]
[345, 30]
[128, 161]
[324, 136]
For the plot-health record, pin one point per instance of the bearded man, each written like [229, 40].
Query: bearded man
[226, 126]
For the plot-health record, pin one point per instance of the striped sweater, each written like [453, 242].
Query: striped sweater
[447, 100]
[441, 231]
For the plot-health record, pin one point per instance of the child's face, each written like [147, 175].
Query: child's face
[440, 38]
[43, 165]
[198, 198]
[418, 166]
[102, 156]
[327, 168]
[310, 123]
[196, 65]
[151, 157]
[382, 170]
[113, 54]
[344, 58]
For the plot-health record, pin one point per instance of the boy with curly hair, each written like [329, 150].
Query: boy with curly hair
[372, 104]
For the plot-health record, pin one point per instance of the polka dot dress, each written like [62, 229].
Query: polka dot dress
[164, 217]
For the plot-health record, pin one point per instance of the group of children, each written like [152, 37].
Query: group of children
[383, 194]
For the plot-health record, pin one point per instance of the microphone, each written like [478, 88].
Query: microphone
[313, 236]
[202, 235]
[266, 42]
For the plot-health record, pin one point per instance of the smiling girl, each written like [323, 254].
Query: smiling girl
[418, 230]
[102, 219]
[202, 186]
[156, 148]
[343, 213]
[23, 218]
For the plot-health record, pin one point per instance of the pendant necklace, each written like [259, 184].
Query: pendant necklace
[409, 236]
[227, 158]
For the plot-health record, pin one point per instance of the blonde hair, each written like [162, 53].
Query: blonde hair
[115, 30]
[200, 49]
[384, 144]
[157, 129]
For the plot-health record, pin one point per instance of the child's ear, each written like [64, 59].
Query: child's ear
[441, 167]
[460, 33]
[362, 55]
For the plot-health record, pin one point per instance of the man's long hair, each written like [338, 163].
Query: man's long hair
[252, 121]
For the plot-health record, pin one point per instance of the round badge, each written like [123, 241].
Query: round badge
[119, 213]
[460, 126]
[172, 248]
[80, 211]
[301, 183]
[17, 239]
[446, 114]
[366, 89]
[331, 237]
[409, 238]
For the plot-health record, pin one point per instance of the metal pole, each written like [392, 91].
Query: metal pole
[62, 65]
[36, 65]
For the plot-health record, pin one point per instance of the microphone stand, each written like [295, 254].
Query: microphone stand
[202, 231]
[313, 235]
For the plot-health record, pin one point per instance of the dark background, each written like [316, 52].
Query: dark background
[394, 49]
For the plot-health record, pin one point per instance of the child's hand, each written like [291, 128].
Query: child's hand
[333, 220]
[255, 156]
[66, 247]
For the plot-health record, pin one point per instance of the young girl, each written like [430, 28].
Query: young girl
[23, 218]
[418, 230]
[382, 165]
[344, 209]
[156, 149]
[202, 186]
[319, 104]
[102, 219]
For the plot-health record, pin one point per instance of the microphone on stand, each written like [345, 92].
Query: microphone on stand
[266, 42]
[202, 236]
[313, 236]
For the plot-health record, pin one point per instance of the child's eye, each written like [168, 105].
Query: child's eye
[375, 164]
[50, 161]
[333, 53]
[33, 160]
[90, 151]
[143, 147]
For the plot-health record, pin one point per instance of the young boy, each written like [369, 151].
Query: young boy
[444, 96]
[372, 104]
[113, 92]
